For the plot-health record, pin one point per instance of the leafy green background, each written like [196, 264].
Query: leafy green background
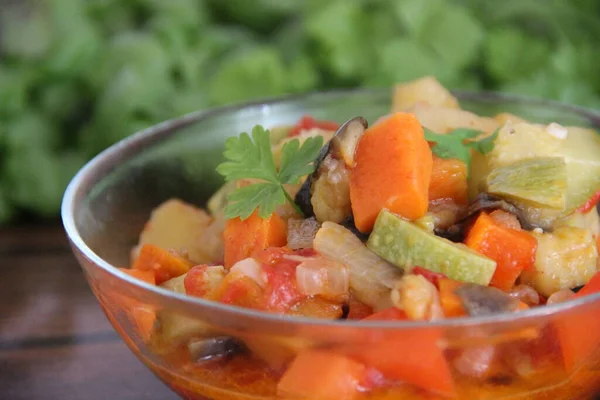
[78, 75]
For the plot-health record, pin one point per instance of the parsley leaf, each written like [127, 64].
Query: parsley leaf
[457, 143]
[486, 144]
[296, 160]
[251, 158]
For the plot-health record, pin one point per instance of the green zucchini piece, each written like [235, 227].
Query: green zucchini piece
[406, 245]
[536, 181]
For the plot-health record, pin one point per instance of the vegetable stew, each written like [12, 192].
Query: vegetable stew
[429, 213]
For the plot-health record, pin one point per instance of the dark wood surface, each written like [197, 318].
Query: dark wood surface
[55, 342]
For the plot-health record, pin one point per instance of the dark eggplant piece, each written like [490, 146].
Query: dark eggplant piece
[215, 348]
[349, 224]
[576, 289]
[483, 202]
[345, 311]
[481, 300]
[328, 186]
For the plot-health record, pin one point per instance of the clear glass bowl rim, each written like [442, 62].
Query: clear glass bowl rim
[85, 178]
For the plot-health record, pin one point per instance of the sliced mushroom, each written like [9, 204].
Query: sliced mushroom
[326, 193]
[219, 347]
[484, 300]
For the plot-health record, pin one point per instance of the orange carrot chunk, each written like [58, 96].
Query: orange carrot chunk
[448, 181]
[451, 303]
[322, 375]
[242, 238]
[513, 250]
[579, 332]
[165, 264]
[146, 276]
[143, 316]
[412, 357]
[393, 171]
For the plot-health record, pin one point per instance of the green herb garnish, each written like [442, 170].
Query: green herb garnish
[251, 158]
[457, 143]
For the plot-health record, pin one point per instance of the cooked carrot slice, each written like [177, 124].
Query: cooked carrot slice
[393, 171]
[513, 250]
[448, 181]
[322, 375]
[242, 238]
[165, 264]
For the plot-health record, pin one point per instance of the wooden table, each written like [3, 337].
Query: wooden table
[55, 342]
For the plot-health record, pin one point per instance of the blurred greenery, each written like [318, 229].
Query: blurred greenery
[79, 75]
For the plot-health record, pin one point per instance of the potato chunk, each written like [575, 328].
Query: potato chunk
[423, 90]
[179, 226]
[443, 120]
[565, 259]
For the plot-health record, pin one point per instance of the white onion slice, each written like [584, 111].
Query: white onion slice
[561, 296]
[297, 258]
[252, 269]
[371, 277]
[558, 131]
[320, 276]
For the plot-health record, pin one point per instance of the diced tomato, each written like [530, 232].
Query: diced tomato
[194, 281]
[271, 255]
[281, 292]
[431, 276]
[239, 291]
[317, 307]
[374, 379]
[308, 252]
[593, 286]
[389, 314]
[591, 203]
[412, 357]
[358, 309]
[307, 122]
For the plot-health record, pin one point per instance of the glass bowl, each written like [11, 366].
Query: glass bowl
[548, 352]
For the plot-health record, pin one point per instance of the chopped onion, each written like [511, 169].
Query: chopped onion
[557, 130]
[507, 219]
[252, 269]
[475, 362]
[526, 294]
[297, 258]
[321, 276]
[302, 232]
[371, 277]
[418, 298]
[561, 296]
